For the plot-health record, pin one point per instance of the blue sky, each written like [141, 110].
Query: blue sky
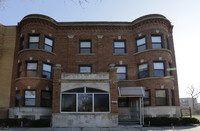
[183, 14]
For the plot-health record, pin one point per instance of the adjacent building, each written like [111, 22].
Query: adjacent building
[7, 47]
[94, 74]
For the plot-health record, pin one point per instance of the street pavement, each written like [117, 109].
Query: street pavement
[124, 128]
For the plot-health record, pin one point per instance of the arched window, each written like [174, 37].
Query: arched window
[85, 100]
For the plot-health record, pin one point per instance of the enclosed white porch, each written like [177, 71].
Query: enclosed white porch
[130, 101]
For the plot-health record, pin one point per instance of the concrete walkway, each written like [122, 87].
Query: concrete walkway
[127, 128]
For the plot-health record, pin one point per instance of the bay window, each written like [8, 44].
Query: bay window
[161, 97]
[48, 44]
[29, 98]
[156, 42]
[31, 69]
[33, 41]
[141, 44]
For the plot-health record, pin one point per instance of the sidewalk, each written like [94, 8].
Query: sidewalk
[125, 128]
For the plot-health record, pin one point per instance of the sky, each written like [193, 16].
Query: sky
[184, 15]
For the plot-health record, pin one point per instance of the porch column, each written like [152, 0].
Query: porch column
[56, 89]
[113, 88]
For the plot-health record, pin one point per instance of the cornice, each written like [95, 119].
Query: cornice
[147, 19]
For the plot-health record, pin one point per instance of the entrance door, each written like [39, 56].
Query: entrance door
[129, 110]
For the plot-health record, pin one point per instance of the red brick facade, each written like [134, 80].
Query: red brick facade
[67, 36]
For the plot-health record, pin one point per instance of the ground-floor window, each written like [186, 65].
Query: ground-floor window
[85, 100]
[161, 97]
[30, 98]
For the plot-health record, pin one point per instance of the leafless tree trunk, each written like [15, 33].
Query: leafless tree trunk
[194, 93]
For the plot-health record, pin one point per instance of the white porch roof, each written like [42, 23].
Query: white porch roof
[131, 91]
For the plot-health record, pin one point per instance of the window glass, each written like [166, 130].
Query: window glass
[47, 67]
[159, 69]
[123, 102]
[84, 102]
[19, 70]
[121, 72]
[85, 44]
[48, 44]
[156, 39]
[21, 43]
[119, 44]
[85, 69]
[147, 98]
[34, 39]
[158, 65]
[141, 44]
[31, 69]
[33, 42]
[172, 98]
[101, 103]
[46, 71]
[68, 103]
[46, 99]
[156, 42]
[143, 71]
[141, 41]
[161, 97]
[85, 47]
[119, 47]
[31, 66]
[48, 41]
[30, 98]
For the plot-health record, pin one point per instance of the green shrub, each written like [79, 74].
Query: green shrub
[26, 123]
[168, 121]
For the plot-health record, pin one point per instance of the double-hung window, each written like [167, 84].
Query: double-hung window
[19, 70]
[30, 98]
[85, 100]
[143, 71]
[161, 97]
[156, 42]
[121, 72]
[147, 98]
[159, 69]
[21, 46]
[85, 47]
[170, 69]
[47, 71]
[172, 98]
[119, 47]
[33, 41]
[31, 69]
[168, 46]
[85, 69]
[48, 44]
[46, 99]
[141, 44]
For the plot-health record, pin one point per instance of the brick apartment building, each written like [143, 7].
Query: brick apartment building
[7, 47]
[94, 74]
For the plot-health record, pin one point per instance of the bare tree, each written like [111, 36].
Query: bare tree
[194, 93]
